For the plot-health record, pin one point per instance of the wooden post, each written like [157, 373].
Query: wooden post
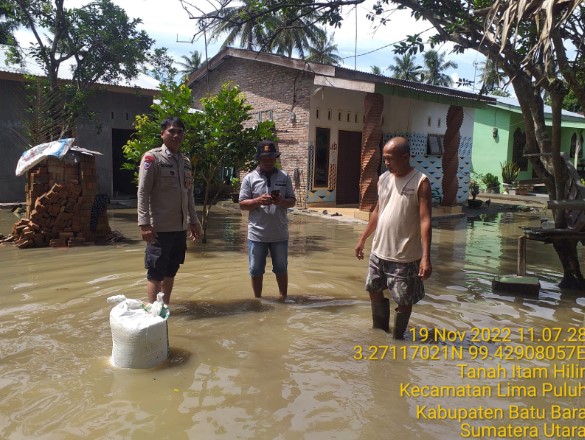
[521, 266]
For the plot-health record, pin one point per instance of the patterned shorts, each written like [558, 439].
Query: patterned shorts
[401, 279]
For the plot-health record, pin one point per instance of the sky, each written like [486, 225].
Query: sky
[172, 28]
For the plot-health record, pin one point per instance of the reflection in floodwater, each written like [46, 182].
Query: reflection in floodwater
[308, 368]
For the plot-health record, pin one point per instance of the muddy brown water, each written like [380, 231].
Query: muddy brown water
[309, 369]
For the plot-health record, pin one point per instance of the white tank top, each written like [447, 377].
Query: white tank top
[397, 235]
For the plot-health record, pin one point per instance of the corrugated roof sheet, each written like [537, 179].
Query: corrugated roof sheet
[335, 72]
[142, 81]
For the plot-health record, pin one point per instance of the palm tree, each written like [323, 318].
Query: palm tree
[190, 63]
[282, 32]
[376, 70]
[405, 68]
[288, 33]
[324, 51]
[232, 20]
[435, 65]
[491, 76]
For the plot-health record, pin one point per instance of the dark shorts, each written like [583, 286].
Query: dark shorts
[401, 279]
[163, 257]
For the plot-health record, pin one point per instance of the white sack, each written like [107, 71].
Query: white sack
[140, 340]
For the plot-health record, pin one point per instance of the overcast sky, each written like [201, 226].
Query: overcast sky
[169, 24]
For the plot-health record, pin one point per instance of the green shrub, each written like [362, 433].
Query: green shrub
[510, 171]
[235, 183]
[491, 181]
[473, 188]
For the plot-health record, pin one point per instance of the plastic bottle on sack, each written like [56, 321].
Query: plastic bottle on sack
[157, 306]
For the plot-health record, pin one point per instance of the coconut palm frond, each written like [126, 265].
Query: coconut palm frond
[547, 15]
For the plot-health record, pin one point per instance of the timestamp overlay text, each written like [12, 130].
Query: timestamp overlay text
[502, 382]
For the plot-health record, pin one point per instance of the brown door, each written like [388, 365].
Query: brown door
[348, 167]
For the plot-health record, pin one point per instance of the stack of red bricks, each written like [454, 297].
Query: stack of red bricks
[60, 194]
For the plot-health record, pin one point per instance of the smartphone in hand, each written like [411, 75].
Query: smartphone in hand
[275, 193]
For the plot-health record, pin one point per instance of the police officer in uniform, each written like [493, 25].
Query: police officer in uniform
[166, 209]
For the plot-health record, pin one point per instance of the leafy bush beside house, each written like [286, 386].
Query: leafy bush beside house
[235, 183]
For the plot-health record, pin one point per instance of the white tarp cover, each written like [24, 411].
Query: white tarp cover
[37, 153]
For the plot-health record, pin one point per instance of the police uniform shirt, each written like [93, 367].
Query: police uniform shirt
[165, 191]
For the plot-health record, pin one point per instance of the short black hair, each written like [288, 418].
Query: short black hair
[170, 121]
[264, 143]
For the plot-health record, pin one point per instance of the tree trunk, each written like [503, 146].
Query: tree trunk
[567, 252]
[550, 167]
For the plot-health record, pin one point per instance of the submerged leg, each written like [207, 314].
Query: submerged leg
[401, 319]
[257, 285]
[380, 311]
[282, 281]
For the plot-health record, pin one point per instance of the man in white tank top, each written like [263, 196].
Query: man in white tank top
[400, 257]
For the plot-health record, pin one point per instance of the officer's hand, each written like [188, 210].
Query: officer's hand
[148, 233]
[196, 231]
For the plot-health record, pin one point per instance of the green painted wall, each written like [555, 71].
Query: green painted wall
[488, 151]
[517, 121]
[566, 134]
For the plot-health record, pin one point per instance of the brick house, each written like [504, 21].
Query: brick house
[332, 121]
[115, 108]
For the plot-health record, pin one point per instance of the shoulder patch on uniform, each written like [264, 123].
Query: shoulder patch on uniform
[148, 160]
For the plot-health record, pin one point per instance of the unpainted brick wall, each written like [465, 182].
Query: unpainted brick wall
[277, 91]
[60, 195]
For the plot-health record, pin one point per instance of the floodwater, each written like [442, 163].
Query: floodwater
[246, 369]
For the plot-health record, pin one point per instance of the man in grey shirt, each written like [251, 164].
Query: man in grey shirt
[267, 193]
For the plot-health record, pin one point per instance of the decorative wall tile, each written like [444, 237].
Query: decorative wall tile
[432, 165]
[320, 195]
